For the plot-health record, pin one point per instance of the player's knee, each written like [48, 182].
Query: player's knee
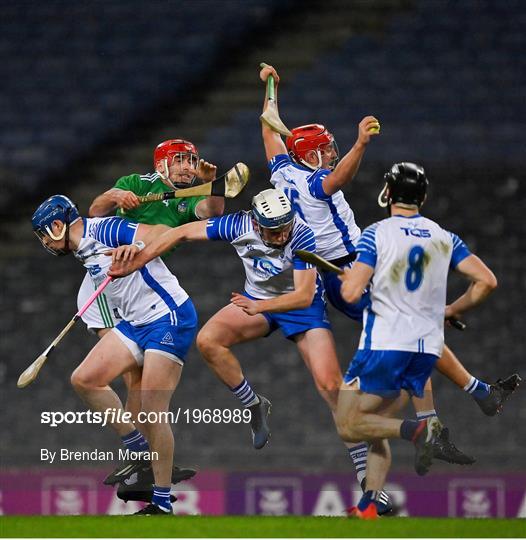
[81, 380]
[207, 343]
[346, 430]
[354, 435]
[153, 402]
[351, 425]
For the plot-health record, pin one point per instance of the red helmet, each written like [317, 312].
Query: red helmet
[166, 152]
[307, 138]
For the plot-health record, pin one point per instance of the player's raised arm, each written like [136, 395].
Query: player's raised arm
[348, 166]
[107, 202]
[272, 140]
[483, 282]
[211, 206]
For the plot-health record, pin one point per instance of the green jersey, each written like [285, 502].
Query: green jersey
[172, 212]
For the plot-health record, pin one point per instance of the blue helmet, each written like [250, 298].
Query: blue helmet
[56, 207]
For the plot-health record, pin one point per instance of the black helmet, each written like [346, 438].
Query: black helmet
[407, 184]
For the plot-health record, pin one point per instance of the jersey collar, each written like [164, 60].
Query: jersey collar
[406, 217]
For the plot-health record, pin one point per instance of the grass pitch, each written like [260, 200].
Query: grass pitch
[254, 526]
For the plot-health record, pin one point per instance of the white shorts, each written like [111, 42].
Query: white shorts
[102, 313]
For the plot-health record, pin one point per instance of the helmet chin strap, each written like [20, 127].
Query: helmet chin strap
[165, 175]
[63, 234]
[54, 236]
[382, 198]
[313, 167]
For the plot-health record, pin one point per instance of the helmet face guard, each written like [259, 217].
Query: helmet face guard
[57, 207]
[312, 138]
[180, 152]
[334, 161]
[277, 237]
[273, 216]
[42, 236]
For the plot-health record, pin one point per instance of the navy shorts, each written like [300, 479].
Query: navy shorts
[298, 321]
[333, 285]
[385, 373]
[171, 335]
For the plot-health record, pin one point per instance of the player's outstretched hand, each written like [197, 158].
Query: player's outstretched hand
[367, 128]
[125, 200]
[123, 254]
[123, 269]
[206, 171]
[249, 306]
[266, 71]
[123, 260]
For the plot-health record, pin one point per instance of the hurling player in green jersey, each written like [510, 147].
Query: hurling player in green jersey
[176, 165]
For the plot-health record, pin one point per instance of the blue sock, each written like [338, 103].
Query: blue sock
[161, 498]
[135, 442]
[423, 415]
[358, 455]
[245, 394]
[477, 389]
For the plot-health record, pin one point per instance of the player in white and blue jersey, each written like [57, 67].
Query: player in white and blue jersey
[307, 169]
[310, 172]
[281, 291]
[159, 324]
[177, 165]
[406, 259]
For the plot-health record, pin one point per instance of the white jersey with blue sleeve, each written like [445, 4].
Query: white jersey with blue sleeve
[143, 296]
[269, 271]
[329, 216]
[411, 257]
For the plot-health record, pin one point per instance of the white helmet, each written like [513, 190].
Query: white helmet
[271, 210]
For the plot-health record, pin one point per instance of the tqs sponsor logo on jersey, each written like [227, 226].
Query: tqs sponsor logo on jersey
[265, 266]
[419, 233]
[94, 270]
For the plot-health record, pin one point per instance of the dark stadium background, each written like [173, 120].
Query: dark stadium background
[88, 90]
